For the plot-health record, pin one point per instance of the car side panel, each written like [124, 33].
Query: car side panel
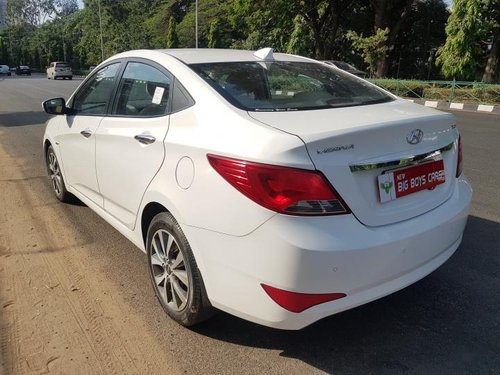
[78, 154]
[125, 167]
[205, 199]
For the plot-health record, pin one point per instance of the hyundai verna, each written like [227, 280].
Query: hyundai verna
[270, 186]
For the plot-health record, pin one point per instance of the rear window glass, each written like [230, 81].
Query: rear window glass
[287, 86]
[62, 65]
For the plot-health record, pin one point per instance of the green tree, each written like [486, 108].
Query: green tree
[172, 39]
[208, 10]
[420, 37]
[64, 8]
[263, 23]
[491, 32]
[301, 41]
[33, 12]
[390, 15]
[459, 57]
[373, 48]
[214, 37]
[324, 19]
[16, 36]
[157, 21]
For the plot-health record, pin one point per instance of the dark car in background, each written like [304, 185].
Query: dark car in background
[347, 67]
[23, 70]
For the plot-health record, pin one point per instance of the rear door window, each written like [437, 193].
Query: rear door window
[144, 91]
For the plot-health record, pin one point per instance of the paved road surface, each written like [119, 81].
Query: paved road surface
[75, 296]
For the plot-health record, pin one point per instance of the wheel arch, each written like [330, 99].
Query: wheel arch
[154, 202]
[46, 145]
[148, 213]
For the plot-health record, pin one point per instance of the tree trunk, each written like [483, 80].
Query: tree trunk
[324, 27]
[380, 14]
[491, 71]
[387, 14]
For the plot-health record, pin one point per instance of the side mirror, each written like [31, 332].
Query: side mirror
[55, 106]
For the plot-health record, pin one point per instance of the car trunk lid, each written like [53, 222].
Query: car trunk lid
[353, 146]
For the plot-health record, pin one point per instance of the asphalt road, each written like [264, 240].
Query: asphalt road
[447, 323]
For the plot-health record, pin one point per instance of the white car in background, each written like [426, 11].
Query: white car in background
[4, 69]
[59, 69]
[267, 185]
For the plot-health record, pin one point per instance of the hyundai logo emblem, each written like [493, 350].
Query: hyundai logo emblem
[415, 136]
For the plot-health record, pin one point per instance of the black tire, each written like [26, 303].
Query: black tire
[55, 176]
[196, 307]
[70, 78]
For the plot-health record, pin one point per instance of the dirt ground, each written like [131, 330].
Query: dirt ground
[55, 317]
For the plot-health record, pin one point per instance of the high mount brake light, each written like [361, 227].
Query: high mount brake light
[285, 190]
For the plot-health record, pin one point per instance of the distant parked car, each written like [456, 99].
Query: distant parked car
[59, 69]
[23, 70]
[4, 69]
[347, 67]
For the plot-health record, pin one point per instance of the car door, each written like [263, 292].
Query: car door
[77, 139]
[130, 148]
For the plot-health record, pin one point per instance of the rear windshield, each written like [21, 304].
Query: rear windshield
[62, 65]
[287, 86]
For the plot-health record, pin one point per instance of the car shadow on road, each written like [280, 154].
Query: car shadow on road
[11, 119]
[446, 323]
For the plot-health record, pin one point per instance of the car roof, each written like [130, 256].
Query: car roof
[212, 55]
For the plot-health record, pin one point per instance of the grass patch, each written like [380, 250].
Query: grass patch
[463, 92]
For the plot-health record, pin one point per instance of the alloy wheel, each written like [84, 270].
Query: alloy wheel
[55, 173]
[169, 270]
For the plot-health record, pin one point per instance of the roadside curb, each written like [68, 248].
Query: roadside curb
[466, 107]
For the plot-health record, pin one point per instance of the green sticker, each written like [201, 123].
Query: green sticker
[386, 186]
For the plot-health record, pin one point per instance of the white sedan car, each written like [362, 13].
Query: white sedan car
[273, 187]
[4, 69]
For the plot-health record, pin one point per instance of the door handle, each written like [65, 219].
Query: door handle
[86, 133]
[145, 138]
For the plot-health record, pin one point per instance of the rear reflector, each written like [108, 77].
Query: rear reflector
[285, 190]
[298, 302]
[459, 157]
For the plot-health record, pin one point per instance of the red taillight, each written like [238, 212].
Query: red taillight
[282, 189]
[298, 302]
[459, 157]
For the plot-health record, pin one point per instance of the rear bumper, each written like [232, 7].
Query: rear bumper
[63, 74]
[325, 255]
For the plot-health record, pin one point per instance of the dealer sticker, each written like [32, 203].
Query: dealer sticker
[402, 182]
